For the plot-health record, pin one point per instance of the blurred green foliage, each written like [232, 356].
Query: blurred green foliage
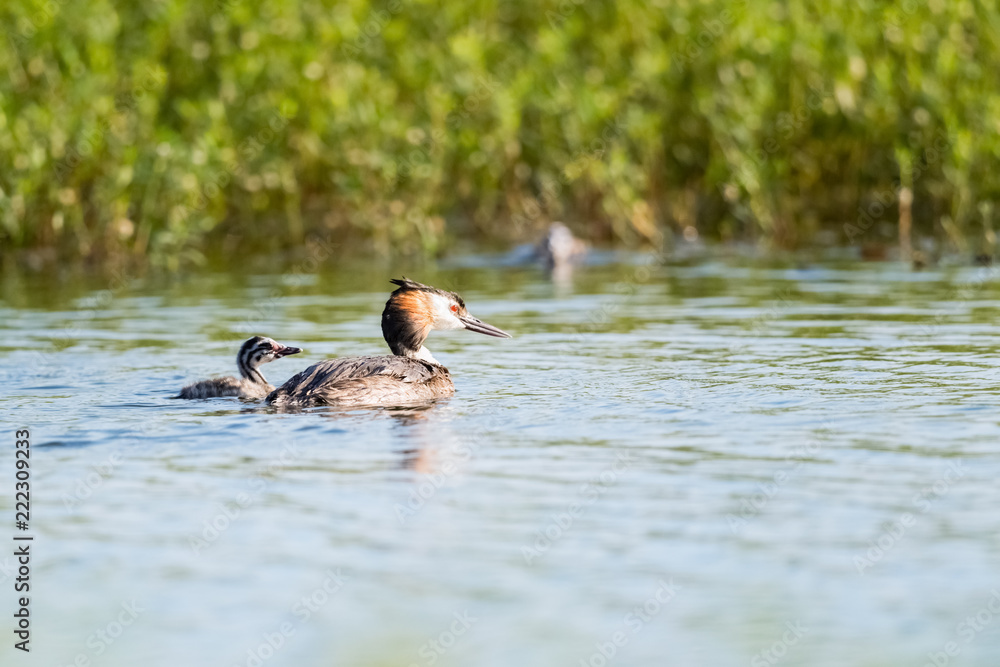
[161, 128]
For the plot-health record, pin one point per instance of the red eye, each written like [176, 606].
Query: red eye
[454, 308]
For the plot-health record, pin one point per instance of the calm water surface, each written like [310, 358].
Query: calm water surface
[712, 462]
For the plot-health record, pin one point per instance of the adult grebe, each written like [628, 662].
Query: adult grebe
[256, 351]
[412, 375]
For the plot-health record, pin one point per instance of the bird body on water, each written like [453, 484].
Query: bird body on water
[411, 374]
[251, 383]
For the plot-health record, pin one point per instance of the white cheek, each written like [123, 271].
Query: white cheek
[444, 319]
[448, 320]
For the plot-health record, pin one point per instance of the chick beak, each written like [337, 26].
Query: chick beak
[286, 350]
[473, 324]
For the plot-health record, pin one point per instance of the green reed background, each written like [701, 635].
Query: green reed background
[168, 128]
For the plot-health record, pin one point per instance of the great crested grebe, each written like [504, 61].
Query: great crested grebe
[411, 374]
[254, 352]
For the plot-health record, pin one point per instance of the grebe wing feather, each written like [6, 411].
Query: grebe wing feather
[352, 379]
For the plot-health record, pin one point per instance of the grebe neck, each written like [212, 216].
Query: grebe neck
[423, 354]
[249, 373]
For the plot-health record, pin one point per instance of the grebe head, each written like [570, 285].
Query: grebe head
[414, 309]
[260, 350]
[559, 248]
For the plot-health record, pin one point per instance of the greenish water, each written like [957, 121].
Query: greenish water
[688, 463]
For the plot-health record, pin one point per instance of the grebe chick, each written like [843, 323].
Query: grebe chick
[411, 374]
[252, 385]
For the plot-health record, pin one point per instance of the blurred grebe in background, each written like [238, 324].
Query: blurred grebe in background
[559, 250]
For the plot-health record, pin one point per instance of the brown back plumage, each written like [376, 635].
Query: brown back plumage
[381, 380]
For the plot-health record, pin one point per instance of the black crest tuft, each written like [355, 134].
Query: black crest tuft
[407, 285]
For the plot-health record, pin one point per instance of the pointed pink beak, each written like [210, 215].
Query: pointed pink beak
[286, 350]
